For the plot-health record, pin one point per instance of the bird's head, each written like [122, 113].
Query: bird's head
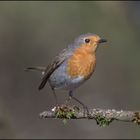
[89, 41]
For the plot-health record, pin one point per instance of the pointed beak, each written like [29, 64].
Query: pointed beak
[102, 41]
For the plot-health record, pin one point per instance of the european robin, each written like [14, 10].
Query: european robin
[72, 66]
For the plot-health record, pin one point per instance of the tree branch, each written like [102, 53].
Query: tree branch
[103, 117]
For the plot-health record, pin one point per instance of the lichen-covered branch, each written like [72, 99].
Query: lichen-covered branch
[103, 117]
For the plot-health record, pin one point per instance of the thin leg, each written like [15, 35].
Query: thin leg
[56, 102]
[68, 100]
[84, 106]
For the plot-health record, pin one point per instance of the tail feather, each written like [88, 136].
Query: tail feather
[41, 69]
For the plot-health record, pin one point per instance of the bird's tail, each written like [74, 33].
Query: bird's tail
[41, 69]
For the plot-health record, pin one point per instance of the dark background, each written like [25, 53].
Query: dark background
[32, 33]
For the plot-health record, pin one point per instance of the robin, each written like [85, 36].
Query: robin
[72, 66]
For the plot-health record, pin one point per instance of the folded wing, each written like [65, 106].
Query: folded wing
[57, 61]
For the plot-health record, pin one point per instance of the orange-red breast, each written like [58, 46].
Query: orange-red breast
[73, 65]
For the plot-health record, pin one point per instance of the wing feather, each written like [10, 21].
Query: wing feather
[57, 61]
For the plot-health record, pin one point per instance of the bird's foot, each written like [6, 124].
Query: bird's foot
[86, 112]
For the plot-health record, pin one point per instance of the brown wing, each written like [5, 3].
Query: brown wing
[58, 60]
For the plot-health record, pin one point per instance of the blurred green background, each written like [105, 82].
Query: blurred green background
[32, 33]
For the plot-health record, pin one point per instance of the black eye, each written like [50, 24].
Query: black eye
[87, 40]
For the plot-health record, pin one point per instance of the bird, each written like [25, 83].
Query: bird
[73, 66]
